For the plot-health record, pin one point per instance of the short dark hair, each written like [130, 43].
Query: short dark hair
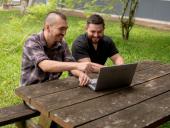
[95, 19]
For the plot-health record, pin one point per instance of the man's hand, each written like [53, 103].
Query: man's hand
[85, 67]
[96, 67]
[83, 79]
[89, 67]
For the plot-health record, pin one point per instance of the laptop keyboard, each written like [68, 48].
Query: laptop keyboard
[92, 84]
[93, 81]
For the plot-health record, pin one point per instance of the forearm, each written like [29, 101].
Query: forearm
[119, 61]
[56, 66]
[76, 73]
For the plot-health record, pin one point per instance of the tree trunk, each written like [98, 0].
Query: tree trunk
[127, 22]
[125, 31]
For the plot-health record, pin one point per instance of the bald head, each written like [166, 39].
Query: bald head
[55, 27]
[52, 18]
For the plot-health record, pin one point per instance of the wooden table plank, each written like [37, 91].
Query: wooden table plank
[16, 113]
[147, 65]
[148, 114]
[48, 87]
[66, 98]
[84, 112]
[150, 73]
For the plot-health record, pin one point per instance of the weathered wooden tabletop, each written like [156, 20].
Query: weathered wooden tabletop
[145, 104]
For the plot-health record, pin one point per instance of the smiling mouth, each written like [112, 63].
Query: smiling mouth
[95, 39]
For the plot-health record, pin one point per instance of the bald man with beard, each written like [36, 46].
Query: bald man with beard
[46, 55]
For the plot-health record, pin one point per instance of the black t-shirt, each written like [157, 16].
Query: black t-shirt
[82, 47]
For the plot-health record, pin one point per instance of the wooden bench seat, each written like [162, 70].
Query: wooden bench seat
[16, 113]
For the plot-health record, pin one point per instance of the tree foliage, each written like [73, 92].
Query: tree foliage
[127, 14]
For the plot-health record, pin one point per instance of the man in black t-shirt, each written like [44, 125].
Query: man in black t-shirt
[94, 46]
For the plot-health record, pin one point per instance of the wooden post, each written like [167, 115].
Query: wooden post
[44, 122]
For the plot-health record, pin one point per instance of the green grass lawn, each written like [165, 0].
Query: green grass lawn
[144, 44]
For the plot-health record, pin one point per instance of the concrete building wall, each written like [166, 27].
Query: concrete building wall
[154, 9]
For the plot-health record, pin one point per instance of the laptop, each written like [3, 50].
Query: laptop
[113, 77]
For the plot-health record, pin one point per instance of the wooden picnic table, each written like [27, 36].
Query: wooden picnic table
[146, 103]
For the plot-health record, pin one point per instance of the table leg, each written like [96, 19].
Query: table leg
[44, 121]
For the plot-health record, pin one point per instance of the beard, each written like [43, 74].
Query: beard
[95, 40]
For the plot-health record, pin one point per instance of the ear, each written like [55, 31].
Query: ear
[47, 28]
